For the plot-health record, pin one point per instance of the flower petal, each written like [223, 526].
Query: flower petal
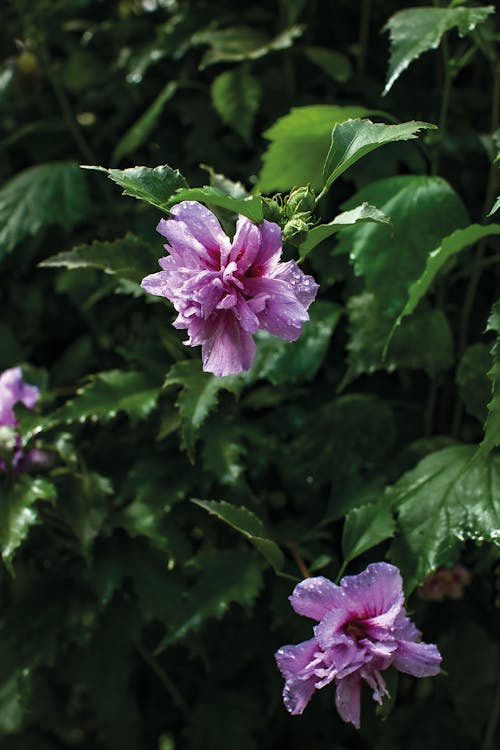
[378, 590]
[246, 243]
[315, 597]
[292, 660]
[229, 349]
[202, 224]
[304, 287]
[14, 390]
[297, 694]
[348, 699]
[270, 247]
[417, 659]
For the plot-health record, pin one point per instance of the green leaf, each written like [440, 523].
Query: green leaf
[449, 247]
[11, 704]
[17, 515]
[369, 329]
[242, 43]
[358, 215]
[496, 206]
[227, 576]
[365, 527]
[250, 206]
[128, 257]
[224, 451]
[198, 397]
[100, 399]
[472, 380]
[417, 30]
[47, 194]
[140, 130]
[299, 145]
[236, 96]
[155, 185]
[247, 523]
[334, 64]
[283, 362]
[391, 261]
[444, 501]
[492, 427]
[354, 139]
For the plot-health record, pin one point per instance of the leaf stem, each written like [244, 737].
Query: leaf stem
[304, 570]
[445, 103]
[165, 680]
[364, 33]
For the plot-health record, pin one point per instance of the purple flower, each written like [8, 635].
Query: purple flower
[363, 629]
[14, 390]
[224, 292]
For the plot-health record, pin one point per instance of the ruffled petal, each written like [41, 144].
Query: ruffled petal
[14, 390]
[417, 659]
[229, 349]
[157, 284]
[292, 660]
[297, 694]
[270, 248]
[332, 625]
[315, 597]
[304, 287]
[378, 590]
[246, 244]
[202, 224]
[348, 699]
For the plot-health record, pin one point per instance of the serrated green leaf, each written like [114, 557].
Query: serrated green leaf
[140, 130]
[472, 380]
[495, 207]
[155, 185]
[369, 329]
[353, 139]
[248, 524]
[236, 96]
[47, 194]
[299, 145]
[358, 215]
[283, 362]
[227, 576]
[198, 397]
[391, 261]
[416, 30]
[365, 527]
[333, 63]
[224, 451]
[17, 515]
[449, 247]
[492, 427]
[444, 501]
[128, 257]
[250, 206]
[100, 399]
[242, 43]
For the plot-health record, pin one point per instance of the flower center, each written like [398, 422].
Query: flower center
[355, 629]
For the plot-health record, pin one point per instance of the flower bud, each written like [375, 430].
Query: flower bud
[301, 199]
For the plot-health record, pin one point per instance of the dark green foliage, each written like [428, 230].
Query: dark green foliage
[146, 564]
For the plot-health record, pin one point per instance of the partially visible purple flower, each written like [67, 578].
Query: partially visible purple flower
[225, 291]
[14, 390]
[445, 583]
[363, 629]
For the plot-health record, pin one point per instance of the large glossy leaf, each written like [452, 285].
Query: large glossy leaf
[17, 514]
[299, 144]
[391, 261]
[129, 258]
[358, 215]
[144, 126]
[198, 397]
[335, 64]
[449, 247]
[247, 523]
[250, 206]
[416, 30]
[353, 139]
[492, 427]
[441, 503]
[154, 185]
[47, 194]
[369, 329]
[236, 96]
[242, 43]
